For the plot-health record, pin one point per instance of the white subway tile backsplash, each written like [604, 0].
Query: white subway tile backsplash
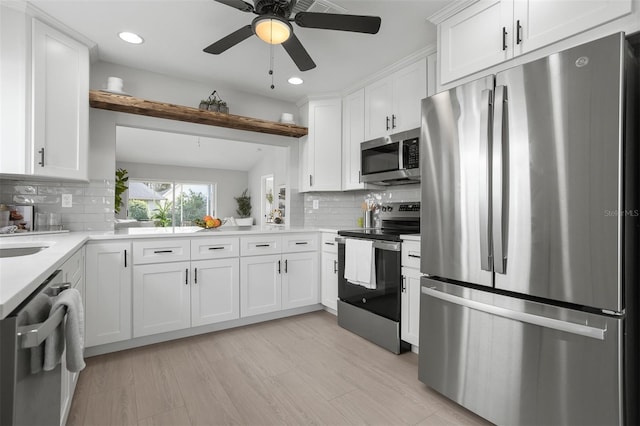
[92, 206]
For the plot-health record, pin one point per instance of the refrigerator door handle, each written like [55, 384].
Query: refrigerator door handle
[485, 180]
[499, 182]
[546, 322]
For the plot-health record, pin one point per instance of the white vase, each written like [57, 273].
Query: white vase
[244, 221]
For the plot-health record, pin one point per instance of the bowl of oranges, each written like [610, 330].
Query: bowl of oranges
[209, 222]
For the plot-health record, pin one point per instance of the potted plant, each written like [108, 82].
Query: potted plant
[244, 209]
[162, 213]
[121, 186]
[223, 107]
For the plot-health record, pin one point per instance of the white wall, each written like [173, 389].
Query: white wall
[274, 163]
[230, 183]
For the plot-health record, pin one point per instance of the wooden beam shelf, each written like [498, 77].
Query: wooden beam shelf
[129, 104]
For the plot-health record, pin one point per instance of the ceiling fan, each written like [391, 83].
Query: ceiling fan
[272, 26]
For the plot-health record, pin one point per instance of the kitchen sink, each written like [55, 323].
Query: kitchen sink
[15, 250]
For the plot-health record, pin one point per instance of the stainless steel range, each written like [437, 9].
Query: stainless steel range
[372, 309]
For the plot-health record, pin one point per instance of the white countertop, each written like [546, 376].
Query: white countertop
[410, 237]
[21, 275]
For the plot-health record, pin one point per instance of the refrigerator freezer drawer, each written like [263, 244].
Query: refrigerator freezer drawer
[519, 362]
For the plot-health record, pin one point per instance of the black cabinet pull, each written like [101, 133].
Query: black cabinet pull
[404, 283]
[195, 275]
[393, 121]
[285, 266]
[335, 266]
[163, 251]
[301, 243]
[186, 276]
[216, 248]
[504, 38]
[279, 267]
[329, 244]
[387, 122]
[518, 32]
[125, 258]
[41, 152]
[415, 256]
[262, 245]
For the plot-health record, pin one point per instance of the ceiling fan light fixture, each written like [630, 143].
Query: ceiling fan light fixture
[272, 29]
[130, 37]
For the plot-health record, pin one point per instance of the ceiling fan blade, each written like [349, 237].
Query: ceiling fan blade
[298, 53]
[230, 40]
[237, 4]
[335, 21]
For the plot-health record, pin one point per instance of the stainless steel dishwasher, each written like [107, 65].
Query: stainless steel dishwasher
[30, 395]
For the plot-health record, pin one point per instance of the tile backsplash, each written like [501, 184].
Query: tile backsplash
[92, 202]
[341, 210]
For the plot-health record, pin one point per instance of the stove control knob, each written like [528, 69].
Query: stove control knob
[389, 209]
[364, 300]
[383, 208]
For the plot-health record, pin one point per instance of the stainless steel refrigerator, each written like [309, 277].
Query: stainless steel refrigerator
[529, 240]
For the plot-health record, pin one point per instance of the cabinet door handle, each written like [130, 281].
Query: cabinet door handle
[285, 266]
[163, 251]
[310, 180]
[216, 248]
[279, 271]
[262, 245]
[329, 243]
[387, 122]
[125, 258]
[393, 121]
[41, 152]
[404, 284]
[518, 32]
[302, 243]
[504, 38]
[186, 276]
[414, 255]
[195, 275]
[335, 266]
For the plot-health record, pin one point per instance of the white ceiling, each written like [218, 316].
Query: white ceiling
[176, 31]
[164, 148]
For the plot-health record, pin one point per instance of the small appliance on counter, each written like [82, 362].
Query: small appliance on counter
[371, 307]
[21, 217]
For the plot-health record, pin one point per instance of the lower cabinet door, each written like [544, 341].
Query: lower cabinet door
[330, 280]
[161, 298]
[215, 291]
[299, 279]
[410, 300]
[260, 284]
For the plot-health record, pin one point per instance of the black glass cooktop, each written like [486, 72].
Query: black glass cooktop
[372, 233]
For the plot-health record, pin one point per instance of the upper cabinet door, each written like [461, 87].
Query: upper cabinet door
[541, 23]
[409, 88]
[60, 104]
[478, 37]
[377, 108]
[352, 137]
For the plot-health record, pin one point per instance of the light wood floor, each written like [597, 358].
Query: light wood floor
[302, 370]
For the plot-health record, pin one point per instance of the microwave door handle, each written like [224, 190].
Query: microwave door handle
[400, 155]
[485, 180]
[499, 182]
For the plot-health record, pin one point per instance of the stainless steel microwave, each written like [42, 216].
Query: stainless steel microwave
[391, 160]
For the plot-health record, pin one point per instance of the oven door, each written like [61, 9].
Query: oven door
[384, 300]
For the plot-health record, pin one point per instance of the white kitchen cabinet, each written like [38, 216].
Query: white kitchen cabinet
[410, 297]
[329, 272]
[72, 273]
[321, 149]
[299, 279]
[284, 277]
[393, 104]
[492, 31]
[260, 284]
[108, 293]
[352, 137]
[60, 104]
[161, 298]
[215, 291]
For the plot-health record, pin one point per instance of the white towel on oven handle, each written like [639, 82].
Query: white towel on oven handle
[71, 337]
[359, 263]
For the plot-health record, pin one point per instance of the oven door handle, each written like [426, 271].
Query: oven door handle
[33, 335]
[380, 245]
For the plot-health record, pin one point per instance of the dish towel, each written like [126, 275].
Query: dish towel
[72, 337]
[36, 312]
[359, 263]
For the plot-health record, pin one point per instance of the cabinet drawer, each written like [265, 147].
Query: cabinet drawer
[411, 254]
[160, 251]
[299, 242]
[329, 244]
[260, 244]
[74, 268]
[214, 248]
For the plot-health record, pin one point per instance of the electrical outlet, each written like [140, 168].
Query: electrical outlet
[316, 204]
[67, 200]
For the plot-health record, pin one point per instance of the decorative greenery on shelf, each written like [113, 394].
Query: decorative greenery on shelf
[121, 186]
[269, 197]
[214, 103]
[244, 204]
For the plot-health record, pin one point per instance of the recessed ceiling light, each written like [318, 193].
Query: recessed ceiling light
[132, 38]
[295, 80]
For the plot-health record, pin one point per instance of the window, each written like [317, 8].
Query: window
[170, 203]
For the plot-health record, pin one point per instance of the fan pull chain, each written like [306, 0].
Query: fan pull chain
[271, 61]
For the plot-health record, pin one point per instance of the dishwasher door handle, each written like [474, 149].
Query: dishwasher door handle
[30, 336]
